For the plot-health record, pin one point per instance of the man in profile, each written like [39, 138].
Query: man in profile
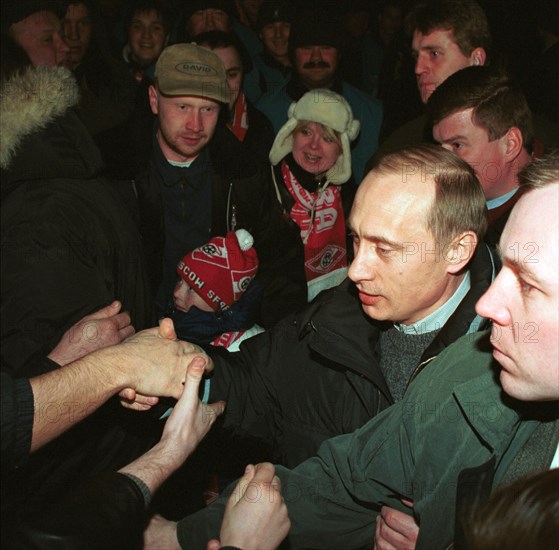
[455, 428]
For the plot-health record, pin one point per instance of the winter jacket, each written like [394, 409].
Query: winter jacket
[69, 244]
[317, 373]
[242, 197]
[17, 422]
[107, 511]
[454, 418]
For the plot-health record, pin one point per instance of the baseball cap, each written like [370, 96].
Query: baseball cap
[188, 69]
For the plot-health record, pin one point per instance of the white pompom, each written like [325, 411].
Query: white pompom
[245, 239]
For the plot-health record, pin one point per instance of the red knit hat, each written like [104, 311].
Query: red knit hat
[221, 270]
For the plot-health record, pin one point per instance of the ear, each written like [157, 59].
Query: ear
[478, 57]
[153, 99]
[458, 253]
[512, 143]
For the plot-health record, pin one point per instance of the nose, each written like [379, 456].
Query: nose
[61, 46]
[194, 121]
[210, 23]
[314, 141]
[316, 54]
[71, 31]
[146, 32]
[361, 268]
[491, 305]
[277, 31]
[420, 65]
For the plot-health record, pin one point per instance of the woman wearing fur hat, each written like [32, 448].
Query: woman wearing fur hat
[311, 159]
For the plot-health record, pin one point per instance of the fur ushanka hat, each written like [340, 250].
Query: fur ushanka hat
[327, 108]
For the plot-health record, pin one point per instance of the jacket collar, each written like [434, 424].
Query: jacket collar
[29, 102]
[342, 332]
[465, 320]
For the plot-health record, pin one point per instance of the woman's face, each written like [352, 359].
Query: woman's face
[313, 149]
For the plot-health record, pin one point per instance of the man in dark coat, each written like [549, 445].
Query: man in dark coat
[69, 247]
[199, 184]
[350, 354]
[69, 244]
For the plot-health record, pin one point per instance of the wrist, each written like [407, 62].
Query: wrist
[107, 363]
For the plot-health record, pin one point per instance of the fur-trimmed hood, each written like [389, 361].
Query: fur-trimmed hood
[29, 102]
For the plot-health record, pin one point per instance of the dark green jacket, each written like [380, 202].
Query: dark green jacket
[454, 417]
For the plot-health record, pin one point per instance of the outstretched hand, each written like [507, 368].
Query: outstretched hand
[144, 394]
[101, 329]
[191, 419]
[187, 425]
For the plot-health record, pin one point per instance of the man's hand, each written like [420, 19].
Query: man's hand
[396, 530]
[101, 329]
[189, 422]
[255, 515]
[191, 419]
[140, 398]
[158, 361]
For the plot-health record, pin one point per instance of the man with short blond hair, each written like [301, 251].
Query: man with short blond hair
[195, 188]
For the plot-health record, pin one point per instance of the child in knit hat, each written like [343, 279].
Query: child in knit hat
[212, 280]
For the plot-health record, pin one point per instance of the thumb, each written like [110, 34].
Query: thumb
[106, 312]
[242, 485]
[213, 544]
[167, 329]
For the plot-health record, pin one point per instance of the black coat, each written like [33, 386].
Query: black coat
[69, 247]
[242, 192]
[317, 373]
[69, 243]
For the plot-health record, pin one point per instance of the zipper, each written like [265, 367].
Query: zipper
[233, 217]
[417, 370]
[231, 222]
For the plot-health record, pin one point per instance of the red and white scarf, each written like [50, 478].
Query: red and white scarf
[239, 124]
[320, 216]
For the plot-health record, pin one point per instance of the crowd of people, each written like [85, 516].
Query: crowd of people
[310, 245]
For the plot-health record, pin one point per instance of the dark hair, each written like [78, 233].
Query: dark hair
[221, 39]
[145, 6]
[13, 59]
[524, 514]
[498, 103]
[459, 203]
[465, 18]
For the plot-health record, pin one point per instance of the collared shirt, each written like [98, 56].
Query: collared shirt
[497, 201]
[438, 318]
[186, 194]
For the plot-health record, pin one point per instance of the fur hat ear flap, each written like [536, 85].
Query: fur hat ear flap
[353, 130]
[291, 110]
[341, 171]
[283, 144]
